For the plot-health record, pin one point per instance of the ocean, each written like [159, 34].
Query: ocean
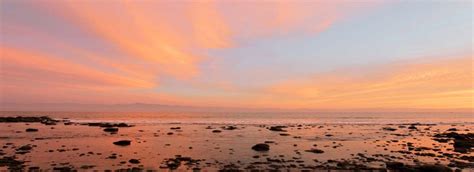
[259, 117]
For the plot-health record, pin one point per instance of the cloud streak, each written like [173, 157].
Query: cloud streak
[164, 52]
[445, 83]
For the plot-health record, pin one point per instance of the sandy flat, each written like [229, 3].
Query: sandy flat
[212, 147]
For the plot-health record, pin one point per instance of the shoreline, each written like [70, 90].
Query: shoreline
[196, 147]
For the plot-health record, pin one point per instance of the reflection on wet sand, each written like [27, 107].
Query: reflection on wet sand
[47, 144]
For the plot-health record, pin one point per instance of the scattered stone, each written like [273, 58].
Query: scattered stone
[261, 147]
[174, 163]
[278, 128]
[433, 168]
[107, 125]
[231, 127]
[389, 129]
[394, 165]
[31, 130]
[24, 149]
[452, 129]
[11, 163]
[412, 127]
[134, 161]
[62, 169]
[317, 151]
[111, 129]
[43, 119]
[122, 142]
[467, 158]
[463, 143]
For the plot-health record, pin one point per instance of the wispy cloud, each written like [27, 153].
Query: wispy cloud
[445, 83]
[139, 46]
[21, 65]
[209, 28]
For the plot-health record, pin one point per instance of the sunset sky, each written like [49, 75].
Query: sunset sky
[344, 54]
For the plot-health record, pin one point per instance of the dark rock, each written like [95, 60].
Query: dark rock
[107, 125]
[433, 168]
[62, 169]
[461, 165]
[43, 119]
[467, 158]
[123, 125]
[11, 163]
[452, 129]
[463, 146]
[398, 166]
[278, 128]
[394, 165]
[112, 157]
[134, 161]
[122, 142]
[261, 147]
[441, 140]
[463, 143]
[216, 131]
[31, 130]
[111, 130]
[31, 169]
[317, 151]
[389, 129]
[229, 127]
[25, 148]
[174, 163]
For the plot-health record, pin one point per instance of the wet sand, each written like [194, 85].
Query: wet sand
[48, 144]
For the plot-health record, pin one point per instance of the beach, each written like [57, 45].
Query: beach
[63, 144]
[236, 85]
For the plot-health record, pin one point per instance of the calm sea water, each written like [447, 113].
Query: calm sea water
[258, 117]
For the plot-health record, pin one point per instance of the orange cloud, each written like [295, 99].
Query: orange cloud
[21, 65]
[138, 35]
[127, 67]
[441, 84]
[209, 28]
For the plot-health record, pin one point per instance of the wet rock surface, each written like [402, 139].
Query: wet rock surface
[304, 147]
[178, 160]
[134, 161]
[42, 119]
[463, 143]
[111, 129]
[31, 130]
[389, 129]
[107, 125]
[317, 151]
[261, 147]
[123, 142]
[278, 128]
[11, 163]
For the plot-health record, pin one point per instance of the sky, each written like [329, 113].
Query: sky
[343, 54]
